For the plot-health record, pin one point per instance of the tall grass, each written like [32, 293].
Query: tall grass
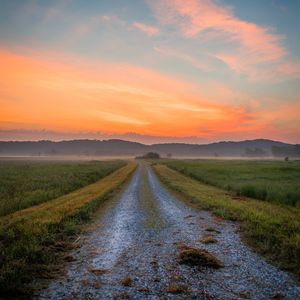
[273, 230]
[274, 181]
[31, 240]
[24, 184]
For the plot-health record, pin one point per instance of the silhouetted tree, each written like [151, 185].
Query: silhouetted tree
[149, 155]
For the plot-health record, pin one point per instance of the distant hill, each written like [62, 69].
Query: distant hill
[115, 147]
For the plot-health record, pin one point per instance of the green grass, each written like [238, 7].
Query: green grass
[274, 181]
[152, 217]
[24, 184]
[273, 230]
[32, 238]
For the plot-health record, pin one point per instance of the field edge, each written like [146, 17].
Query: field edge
[278, 241]
[36, 250]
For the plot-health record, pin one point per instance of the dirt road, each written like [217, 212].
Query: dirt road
[132, 253]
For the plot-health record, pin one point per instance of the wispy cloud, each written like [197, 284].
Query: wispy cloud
[247, 46]
[203, 65]
[147, 29]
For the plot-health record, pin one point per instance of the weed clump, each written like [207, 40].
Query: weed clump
[211, 229]
[278, 296]
[198, 257]
[98, 272]
[174, 288]
[127, 281]
[209, 240]
[69, 258]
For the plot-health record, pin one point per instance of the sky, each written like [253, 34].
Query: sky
[194, 71]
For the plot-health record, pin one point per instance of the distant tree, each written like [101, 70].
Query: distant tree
[152, 155]
[169, 155]
[149, 155]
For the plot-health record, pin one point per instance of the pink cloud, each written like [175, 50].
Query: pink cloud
[248, 46]
[199, 16]
[291, 68]
[149, 30]
[203, 65]
[108, 19]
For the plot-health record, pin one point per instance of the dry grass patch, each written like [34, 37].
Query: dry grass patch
[98, 272]
[175, 288]
[127, 281]
[208, 240]
[198, 257]
[211, 229]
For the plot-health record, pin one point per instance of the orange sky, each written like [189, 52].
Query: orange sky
[69, 95]
[177, 76]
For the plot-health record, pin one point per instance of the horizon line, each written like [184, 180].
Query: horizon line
[159, 143]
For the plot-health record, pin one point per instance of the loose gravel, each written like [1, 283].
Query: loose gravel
[132, 251]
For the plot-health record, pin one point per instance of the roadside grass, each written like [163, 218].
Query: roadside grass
[272, 230]
[33, 239]
[273, 181]
[24, 184]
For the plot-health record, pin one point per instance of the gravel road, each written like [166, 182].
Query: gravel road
[131, 252]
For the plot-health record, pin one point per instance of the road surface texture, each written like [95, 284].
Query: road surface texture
[133, 247]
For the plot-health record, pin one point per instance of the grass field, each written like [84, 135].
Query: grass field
[272, 229]
[32, 239]
[24, 184]
[274, 181]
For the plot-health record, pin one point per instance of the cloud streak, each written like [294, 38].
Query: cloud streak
[247, 46]
[147, 29]
[203, 65]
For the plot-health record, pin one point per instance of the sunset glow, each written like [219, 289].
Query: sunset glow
[204, 69]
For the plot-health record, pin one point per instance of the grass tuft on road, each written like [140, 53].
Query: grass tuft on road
[271, 229]
[32, 238]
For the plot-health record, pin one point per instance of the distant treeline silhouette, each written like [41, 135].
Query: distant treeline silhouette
[248, 148]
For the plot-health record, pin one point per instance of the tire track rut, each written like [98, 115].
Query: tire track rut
[131, 253]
